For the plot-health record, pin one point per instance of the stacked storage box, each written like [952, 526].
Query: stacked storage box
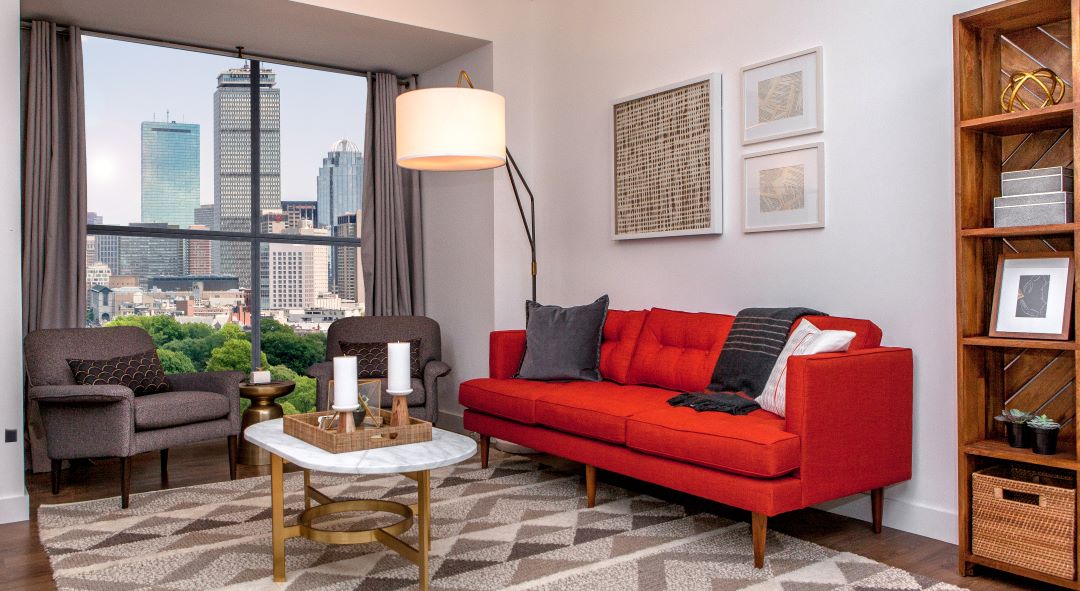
[1035, 197]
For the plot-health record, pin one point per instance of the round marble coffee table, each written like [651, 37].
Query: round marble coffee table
[413, 460]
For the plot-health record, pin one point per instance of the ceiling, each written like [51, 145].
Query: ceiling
[280, 29]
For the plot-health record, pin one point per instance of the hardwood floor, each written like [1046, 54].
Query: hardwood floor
[24, 566]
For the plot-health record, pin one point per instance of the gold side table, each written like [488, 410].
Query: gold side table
[263, 408]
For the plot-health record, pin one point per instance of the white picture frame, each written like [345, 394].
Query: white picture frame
[1033, 296]
[783, 97]
[784, 189]
[715, 210]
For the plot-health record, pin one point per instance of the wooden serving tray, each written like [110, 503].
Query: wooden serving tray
[306, 428]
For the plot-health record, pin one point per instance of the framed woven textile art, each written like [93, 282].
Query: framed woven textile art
[782, 97]
[667, 163]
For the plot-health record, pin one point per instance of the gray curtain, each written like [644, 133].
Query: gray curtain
[391, 235]
[54, 192]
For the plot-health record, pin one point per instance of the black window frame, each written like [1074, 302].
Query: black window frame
[254, 236]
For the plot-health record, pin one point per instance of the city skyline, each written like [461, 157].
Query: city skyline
[317, 109]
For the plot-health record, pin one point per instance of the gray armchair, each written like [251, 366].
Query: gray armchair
[424, 399]
[109, 420]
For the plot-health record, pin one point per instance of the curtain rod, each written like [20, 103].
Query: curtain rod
[231, 52]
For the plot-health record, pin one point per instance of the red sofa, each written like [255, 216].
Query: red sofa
[847, 430]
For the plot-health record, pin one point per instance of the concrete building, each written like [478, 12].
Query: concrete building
[294, 275]
[107, 250]
[194, 283]
[198, 256]
[97, 274]
[232, 163]
[345, 270]
[146, 257]
[300, 211]
[340, 182]
[170, 172]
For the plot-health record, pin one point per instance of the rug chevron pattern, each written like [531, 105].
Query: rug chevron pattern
[515, 525]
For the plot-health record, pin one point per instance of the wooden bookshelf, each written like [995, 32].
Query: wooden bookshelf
[998, 373]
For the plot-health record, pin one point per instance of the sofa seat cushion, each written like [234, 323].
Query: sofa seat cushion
[172, 409]
[510, 398]
[753, 445]
[678, 350]
[597, 410]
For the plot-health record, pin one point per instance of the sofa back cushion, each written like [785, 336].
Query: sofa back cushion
[678, 350]
[867, 334]
[621, 331]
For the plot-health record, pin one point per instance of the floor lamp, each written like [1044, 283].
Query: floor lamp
[461, 128]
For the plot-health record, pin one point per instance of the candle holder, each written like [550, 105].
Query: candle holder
[369, 396]
[399, 409]
[346, 423]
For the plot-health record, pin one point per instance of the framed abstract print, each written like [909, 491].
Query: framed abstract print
[667, 165]
[1033, 296]
[784, 189]
[782, 97]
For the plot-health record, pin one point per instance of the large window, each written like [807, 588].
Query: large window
[227, 264]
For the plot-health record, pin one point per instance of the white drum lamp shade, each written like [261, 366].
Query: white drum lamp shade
[449, 129]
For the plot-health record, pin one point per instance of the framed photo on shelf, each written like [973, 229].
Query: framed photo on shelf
[1033, 295]
[784, 189]
[667, 163]
[783, 97]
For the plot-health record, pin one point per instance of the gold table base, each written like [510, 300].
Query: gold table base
[387, 535]
[263, 408]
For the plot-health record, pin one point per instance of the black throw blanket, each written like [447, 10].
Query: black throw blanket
[721, 402]
[756, 339]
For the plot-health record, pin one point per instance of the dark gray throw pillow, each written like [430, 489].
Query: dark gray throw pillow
[563, 343]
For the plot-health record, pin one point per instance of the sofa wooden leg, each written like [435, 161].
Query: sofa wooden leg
[759, 524]
[165, 467]
[56, 465]
[485, 443]
[125, 481]
[877, 504]
[590, 485]
[232, 456]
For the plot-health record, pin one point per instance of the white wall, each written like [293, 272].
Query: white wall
[887, 252]
[14, 503]
[458, 211]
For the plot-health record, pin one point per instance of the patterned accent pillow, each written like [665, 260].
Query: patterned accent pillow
[142, 372]
[806, 339]
[371, 358]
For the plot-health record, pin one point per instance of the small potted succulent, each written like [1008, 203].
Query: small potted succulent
[1046, 434]
[1016, 426]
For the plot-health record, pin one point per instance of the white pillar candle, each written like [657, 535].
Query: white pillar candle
[398, 376]
[345, 387]
[260, 377]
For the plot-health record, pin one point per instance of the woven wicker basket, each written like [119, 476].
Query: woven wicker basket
[1025, 517]
[306, 427]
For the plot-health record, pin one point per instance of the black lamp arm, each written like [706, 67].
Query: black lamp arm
[530, 222]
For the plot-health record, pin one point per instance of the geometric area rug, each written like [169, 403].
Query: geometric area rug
[516, 525]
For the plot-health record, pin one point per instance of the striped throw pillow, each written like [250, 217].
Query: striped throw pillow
[806, 339]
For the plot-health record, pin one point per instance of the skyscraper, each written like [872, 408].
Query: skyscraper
[232, 161]
[170, 172]
[340, 182]
[294, 275]
[93, 218]
[299, 212]
[198, 255]
[348, 283]
[146, 257]
[204, 216]
[108, 251]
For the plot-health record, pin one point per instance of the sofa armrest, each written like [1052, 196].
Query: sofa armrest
[853, 414]
[75, 394]
[323, 372]
[507, 349]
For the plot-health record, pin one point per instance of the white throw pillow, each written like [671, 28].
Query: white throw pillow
[806, 339]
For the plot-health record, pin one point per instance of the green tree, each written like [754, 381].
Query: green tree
[285, 347]
[175, 362]
[163, 329]
[197, 330]
[233, 354]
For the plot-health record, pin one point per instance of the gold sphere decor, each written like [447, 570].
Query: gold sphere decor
[1044, 80]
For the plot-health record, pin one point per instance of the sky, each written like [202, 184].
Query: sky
[128, 83]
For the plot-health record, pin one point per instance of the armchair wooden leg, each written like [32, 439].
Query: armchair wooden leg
[56, 465]
[232, 457]
[759, 524]
[165, 467]
[485, 443]
[125, 481]
[590, 485]
[877, 504]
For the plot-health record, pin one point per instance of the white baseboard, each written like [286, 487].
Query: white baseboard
[15, 508]
[451, 422]
[931, 522]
